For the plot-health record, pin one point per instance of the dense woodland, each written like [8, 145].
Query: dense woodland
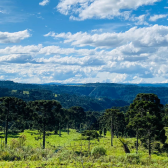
[91, 97]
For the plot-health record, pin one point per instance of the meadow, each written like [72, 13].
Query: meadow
[72, 151]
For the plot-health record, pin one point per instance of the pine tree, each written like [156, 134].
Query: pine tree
[44, 115]
[145, 116]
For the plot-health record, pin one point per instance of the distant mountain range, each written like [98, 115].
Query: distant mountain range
[140, 84]
[91, 96]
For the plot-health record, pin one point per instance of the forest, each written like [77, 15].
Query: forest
[91, 96]
[143, 124]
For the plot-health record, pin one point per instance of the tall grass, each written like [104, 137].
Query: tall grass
[71, 151]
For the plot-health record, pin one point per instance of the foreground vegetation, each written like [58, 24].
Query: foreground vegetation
[72, 151]
[37, 134]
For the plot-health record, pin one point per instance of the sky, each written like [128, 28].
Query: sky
[84, 41]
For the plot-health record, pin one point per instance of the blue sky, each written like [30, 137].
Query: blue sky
[82, 41]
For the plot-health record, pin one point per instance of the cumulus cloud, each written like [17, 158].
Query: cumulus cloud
[153, 36]
[156, 17]
[30, 49]
[16, 37]
[140, 20]
[44, 2]
[138, 54]
[17, 58]
[87, 9]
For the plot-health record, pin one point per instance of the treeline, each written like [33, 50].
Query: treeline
[144, 119]
[43, 115]
[66, 100]
[112, 91]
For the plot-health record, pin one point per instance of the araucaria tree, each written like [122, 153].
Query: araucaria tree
[12, 109]
[145, 117]
[44, 114]
[78, 114]
[109, 118]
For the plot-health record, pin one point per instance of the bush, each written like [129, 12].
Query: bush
[132, 158]
[165, 148]
[22, 139]
[157, 147]
[14, 143]
[7, 156]
[98, 151]
[90, 134]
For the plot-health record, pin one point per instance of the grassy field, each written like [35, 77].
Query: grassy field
[71, 151]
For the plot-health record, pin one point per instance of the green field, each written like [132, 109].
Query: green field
[26, 92]
[71, 151]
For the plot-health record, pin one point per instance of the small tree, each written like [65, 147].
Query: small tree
[145, 115]
[78, 115]
[12, 109]
[44, 115]
[109, 118]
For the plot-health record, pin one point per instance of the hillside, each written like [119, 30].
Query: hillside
[91, 96]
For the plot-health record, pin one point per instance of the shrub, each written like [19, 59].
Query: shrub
[22, 139]
[90, 134]
[132, 158]
[7, 156]
[98, 151]
[14, 143]
[157, 147]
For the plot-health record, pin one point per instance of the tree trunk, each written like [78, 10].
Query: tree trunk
[89, 145]
[136, 140]
[59, 129]
[80, 127]
[117, 131]
[6, 126]
[149, 145]
[68, 127]
[44, 137]
[111, 131]
[6, 129]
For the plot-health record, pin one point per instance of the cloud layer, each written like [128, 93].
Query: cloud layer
[156, 17]
[136, 55]
[87, 9]
[153, 36]
[44, 2]
[6, 37]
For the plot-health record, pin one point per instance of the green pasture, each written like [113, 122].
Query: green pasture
[71, 151]
[14, 91]
[26, 92]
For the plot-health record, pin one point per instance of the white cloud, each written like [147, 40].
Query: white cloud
[30, 49]
[156, 17]
[153, 36]
[87, 9]
[2, 11]
[17, 58]
[140, 20]
[138, 54]
[16, 37]
[44, 2]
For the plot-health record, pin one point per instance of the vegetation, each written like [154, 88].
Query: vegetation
[133, 136]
